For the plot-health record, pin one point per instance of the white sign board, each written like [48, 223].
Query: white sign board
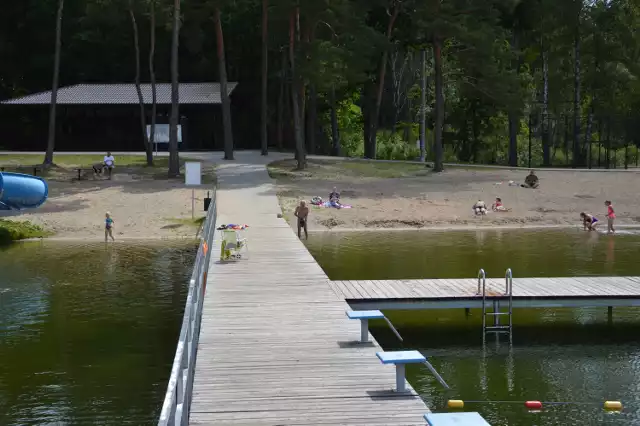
[192, 173]
[161, 135]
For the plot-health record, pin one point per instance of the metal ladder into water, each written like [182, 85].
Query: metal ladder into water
[496, 313]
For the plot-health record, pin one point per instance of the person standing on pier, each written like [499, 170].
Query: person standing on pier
[302, 213]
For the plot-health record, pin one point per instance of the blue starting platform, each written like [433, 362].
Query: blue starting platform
[455, 419]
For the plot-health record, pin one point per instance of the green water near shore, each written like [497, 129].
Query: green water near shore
[88, 331]
[572, 359]
[460, 254]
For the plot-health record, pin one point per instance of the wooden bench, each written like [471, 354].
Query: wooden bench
[36, 169]
[455, 419]
[400, 359]
[81, 169]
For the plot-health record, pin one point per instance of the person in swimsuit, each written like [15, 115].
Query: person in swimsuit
[108, 227]
[480, 208]
[302, 213]
[611, 217]
[498, 206]
[589, 221]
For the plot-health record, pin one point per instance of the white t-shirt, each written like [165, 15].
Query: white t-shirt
[109, 160]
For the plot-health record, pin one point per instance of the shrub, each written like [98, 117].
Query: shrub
[13, 230]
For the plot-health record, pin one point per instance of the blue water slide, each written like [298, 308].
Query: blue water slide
[18, 191]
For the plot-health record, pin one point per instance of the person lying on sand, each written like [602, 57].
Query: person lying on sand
[480, 208]
[589, 221]
[498, 206]
[531, 181]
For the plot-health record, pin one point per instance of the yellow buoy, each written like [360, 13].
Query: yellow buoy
[455, 403]
[613, 405]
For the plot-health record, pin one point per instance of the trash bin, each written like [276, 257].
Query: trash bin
[207, 202]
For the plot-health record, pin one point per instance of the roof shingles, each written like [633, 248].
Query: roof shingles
[125, 94]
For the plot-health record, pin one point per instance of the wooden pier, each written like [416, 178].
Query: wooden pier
[276, 347]
[571, 292]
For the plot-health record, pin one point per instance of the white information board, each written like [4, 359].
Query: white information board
[192, 173]
[161, 135]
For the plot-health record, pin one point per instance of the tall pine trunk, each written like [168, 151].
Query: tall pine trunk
[265, 70]
[438, 165]
[335, 131]
[514, 119]
[174, 160]
[281, 99]
[143, 122]
[295, 95]
[577, 150]
[423, 104]
[372, 142]
[226, 102]
[51, 137]
[546, 148]
[312, 117]
[152, 73]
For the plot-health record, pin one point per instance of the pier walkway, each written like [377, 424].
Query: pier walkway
[276, 347]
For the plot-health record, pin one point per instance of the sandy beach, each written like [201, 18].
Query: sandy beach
[140, 208]
[398, 197]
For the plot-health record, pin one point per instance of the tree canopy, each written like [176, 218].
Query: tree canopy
[345, 75]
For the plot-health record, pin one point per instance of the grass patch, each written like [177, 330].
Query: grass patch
[340, 169]
[66, 166]
[79, 160]
[14, 230]
[196, 223]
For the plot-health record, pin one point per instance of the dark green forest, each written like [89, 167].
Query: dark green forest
[531, 82]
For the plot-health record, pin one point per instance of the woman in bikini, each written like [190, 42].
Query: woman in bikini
[589, 221]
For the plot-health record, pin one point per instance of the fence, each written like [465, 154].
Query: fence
[177, 401]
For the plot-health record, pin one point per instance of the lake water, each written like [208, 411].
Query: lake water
[573, 358]
[88, 331]
[460, 254]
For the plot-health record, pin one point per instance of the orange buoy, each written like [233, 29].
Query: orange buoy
[533, 405]
[205, 247]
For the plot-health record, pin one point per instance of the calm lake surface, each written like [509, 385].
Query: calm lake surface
[88, 331]
[572, 356]
[460, 254]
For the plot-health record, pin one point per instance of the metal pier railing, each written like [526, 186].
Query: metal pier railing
[177, 400]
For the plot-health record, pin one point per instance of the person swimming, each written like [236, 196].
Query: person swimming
[589, 221]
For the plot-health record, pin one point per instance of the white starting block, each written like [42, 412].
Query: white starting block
[364, 317]
[399, 359]
[455, 419]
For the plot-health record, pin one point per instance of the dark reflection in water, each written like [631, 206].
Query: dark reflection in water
[573, 356]
[459, 254]
[88, 331]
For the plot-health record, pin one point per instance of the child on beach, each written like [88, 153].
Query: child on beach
[611, 217]
[108, 227]
[589, 221]
[498, 206]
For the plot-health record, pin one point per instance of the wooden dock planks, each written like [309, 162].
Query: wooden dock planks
[527, 288]
[276, 347]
